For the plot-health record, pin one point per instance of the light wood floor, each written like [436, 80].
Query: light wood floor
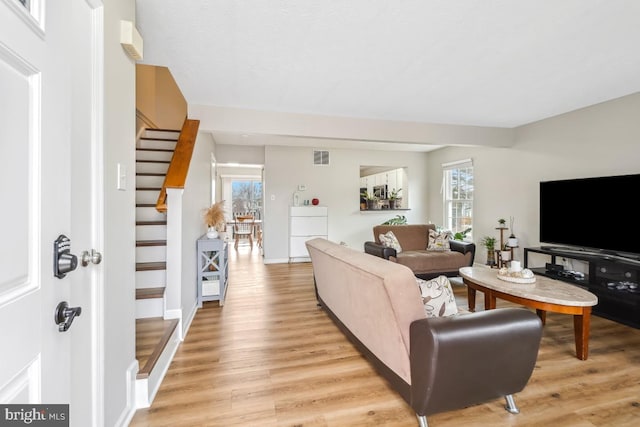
[270, 357]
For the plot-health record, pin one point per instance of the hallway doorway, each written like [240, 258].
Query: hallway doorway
[241, 188]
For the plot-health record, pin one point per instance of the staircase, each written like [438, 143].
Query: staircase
[153, 155]
[153, 350]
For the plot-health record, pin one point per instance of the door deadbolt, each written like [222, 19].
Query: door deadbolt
[63, 260]
[64, 315]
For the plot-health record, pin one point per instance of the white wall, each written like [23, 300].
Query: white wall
[195, 199]
[244, 154]
[337, 186]
[596, 141]
[119, 215]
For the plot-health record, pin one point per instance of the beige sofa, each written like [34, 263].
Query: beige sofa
[435, 364]
[414, 239]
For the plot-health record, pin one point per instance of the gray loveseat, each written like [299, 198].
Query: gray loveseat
[435, 364]
[413, 239]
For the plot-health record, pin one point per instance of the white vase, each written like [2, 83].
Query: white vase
[212, 233]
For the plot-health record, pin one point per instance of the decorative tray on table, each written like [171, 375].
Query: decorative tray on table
[522, 276]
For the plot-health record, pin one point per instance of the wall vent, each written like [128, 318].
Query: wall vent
[320, 157]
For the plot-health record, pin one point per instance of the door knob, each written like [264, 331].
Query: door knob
[94, 257]
[64, 315]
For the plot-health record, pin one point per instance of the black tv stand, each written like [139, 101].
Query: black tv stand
[567, 250]
[562, 248]
[603, 255]
[613, 278]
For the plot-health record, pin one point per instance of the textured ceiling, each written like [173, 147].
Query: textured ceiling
[464, 62]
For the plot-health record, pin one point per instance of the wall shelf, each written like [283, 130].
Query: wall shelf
[383, 210]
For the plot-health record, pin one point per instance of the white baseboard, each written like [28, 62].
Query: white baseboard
[130, 410]
[142, 394]
[186, 323]
[175, 314]
[276, 261]
[299, 259]
[146, 389]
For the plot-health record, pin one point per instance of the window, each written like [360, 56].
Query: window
[246, 197]
[458, 196]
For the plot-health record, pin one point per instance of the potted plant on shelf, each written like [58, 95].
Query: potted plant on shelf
[505, 253]
[393, 197]
[502, 223]
[490, 243]
[371, 199]
[214, 219]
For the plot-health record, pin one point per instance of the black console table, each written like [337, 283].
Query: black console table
[613, 279]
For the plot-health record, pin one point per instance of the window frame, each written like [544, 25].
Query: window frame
[457, 212]
[255, 203]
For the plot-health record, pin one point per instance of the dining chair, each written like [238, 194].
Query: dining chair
[243, 229]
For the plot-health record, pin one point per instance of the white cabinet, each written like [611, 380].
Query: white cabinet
[305, 223]
[392, 179]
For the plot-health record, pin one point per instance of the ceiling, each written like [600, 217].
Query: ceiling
[483, 63]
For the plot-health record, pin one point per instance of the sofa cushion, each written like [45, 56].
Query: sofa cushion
[437, 297]
[439, 241]
[391, 241]
[424, 261]
[411, 236]
[375, 299]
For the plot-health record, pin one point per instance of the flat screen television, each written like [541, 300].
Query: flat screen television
[591, 213]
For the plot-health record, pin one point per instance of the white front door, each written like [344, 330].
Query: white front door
[49, 151]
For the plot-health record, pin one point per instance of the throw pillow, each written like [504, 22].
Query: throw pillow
[390, 240]
[439, 241]
[437, 297]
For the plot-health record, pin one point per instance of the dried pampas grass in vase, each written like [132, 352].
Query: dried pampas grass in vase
[214, 219]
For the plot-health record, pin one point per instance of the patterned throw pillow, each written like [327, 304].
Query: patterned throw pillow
[437, 297]
[390, 240]
[439, 241]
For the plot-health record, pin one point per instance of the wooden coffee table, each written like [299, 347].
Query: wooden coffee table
[544, 295]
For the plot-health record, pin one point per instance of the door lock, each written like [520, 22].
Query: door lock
[94, 257]
[64, 315]
[63, 260]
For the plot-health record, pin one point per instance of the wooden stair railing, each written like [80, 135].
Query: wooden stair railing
[179, 166]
